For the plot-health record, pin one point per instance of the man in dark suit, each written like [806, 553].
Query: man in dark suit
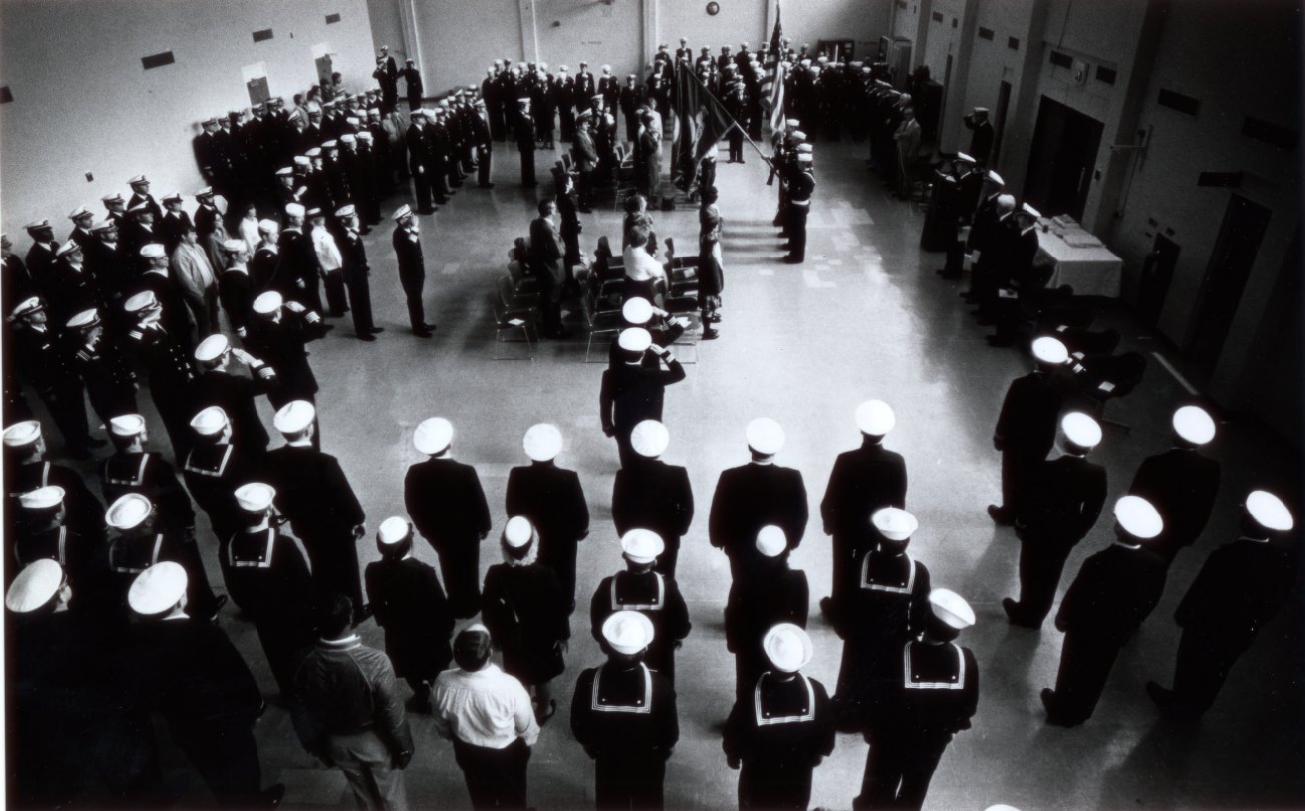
[651, 494]
[174, 222]
[551, 497]
[448, 507]
[140, 195]
[356, 270]
[1065, 498]
[546, 259]
[41, 256]
[1181, 483]
[313, 493]
[412, 78]
[981, 140]
[34, 350]
[751, 496]
[1240, 588]
[862, 482]
[412, 268]
[167, 364]
[634, 392]
[524, 129]
[278, 335]
[629, 99]
[298, 276]
[1026, 428]
[1112, 595]
[157, 279]
[217, 385]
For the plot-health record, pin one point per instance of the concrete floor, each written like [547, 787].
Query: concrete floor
[864, 317]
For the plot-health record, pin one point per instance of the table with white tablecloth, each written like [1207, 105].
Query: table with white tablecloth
[1081, 261]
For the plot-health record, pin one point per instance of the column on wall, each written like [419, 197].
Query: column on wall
[412, 39]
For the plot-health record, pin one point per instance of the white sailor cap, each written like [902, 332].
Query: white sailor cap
[333, 144]
[805, 157]
[212, 347]
[1269, 512]
[268, 227]
[294, 210]
[951, 608]
[518, 532]
[210, 421]
[153, 251]
[315, 152]
[294, 417]
[127, 425]
[798, 135]
[128, 511]
[157, 589]
[1194, 425]
[302, 160]
[771, 540]
[996, 178]
[875, 418]
[35, 586]
[1080, 430]
[895, 524]
[542, 442]
[1001, 807]
[792, 123]
[1138, 517]
[267, 302]
[1049, 351]
[394, 529]
[765, 436]
[650, 438]
[22, 434]
[348, 137]
[628, 632]
[642, 545]
[104, 227]
[365, 136]
[433, 436]
[345, 211]
[285, 171]
[634, 340]
[80, 211]
[42, 498]
[402, 211]
[637, 310]
[1006, 202]
[255, 497]
[235, 246]
[805, 149]
[85, 319]
[787, 647]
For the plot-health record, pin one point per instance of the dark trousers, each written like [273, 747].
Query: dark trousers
[1042, 561]
[560, 557]
[460, 565]
[198, 591]
[1016, 464]
[1204, 661]
[771, 786]
[437, 172]
[736, 145]
[797, 232]
[67, 405]
[205, 311]
[283, 639]
[226, 756]
[550, 304]
[1085, 663]
[629, 783]
[496, 778]
[336, 303]
[421, 186]
[669, 558]
[412, 288]
[528, 168]
[485, 161]
[864, 671]
[111, 401]
[843, 568]
[334, 560]
[360, 304]
[898, 769]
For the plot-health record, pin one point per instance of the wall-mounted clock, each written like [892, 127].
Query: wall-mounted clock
[713, 8]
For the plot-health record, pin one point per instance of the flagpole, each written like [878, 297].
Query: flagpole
[734, 121]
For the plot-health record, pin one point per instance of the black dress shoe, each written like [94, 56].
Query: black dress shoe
[430, 326]
[710, 334]
[486, 185]
[211, 614]
[792, 260]
[1016, 618]
[1001, 516]
[1048, 697]
[377, 329]
[367, 337]
[422, 333]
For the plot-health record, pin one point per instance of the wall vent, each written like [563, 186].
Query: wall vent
[157, 60]
[332, 18]
[1177, 101]
[5, 95]
[1013, 43]
[937, 16]
[1062, 60]
[263, 36]
[1105, 75]
[1222, 180]
[1271, 134]
[986, 33]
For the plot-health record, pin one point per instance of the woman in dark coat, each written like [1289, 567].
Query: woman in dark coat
[711, 270]
[527, 615]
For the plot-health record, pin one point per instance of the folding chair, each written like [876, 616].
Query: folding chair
[515, 321]
[601, 319]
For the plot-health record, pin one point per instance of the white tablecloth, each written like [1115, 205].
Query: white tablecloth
[1091, 271]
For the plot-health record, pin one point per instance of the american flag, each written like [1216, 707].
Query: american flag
[772, 87]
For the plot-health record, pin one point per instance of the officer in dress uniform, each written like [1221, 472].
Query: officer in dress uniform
[110, 381]
[781, 727]
[355, 271]
[524, 128]
[772, 593]
[140, 195]
[624, 715]
[236, 290]
[41, 361]
[798, 185]
[43, 531]
[930, 694]
[651, 494]
[887, 606]
[171, 377]
[298, 276]
[1181, 483]
[637, 311]
[278, 334]
[1026, 428]
[167, 293]
[751, 496]
[219, 386]
[1065, 497]
[634, 392]
[1240, 588]
[26, 470]
[268, 578]
[412, 268]
[215, 468]
[554, 502]
[1113, 593]
[313, 493]
[862, 482]
[192, 675]
[448, 507]
[410, 605]
[139, 544]
[263, 267]
[641, 589]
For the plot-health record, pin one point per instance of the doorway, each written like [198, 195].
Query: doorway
[1157, 273]
[1244, 224]
[999, 122]
[1062, 159]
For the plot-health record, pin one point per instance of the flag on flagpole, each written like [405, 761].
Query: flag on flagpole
[777, 99]
[716, 120]
[772, 87]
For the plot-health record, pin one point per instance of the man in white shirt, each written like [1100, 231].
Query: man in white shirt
[198, 283]
[488, 716]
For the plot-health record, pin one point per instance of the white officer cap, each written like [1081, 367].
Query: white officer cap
[1269, 511]
[1080, 430]
[345, 211]
[315, 152]
[267, 302]
[1138, 517]
[207, 191]
[128, 511]
[153, 251]
[787, 647]
[103, 227]
[294, 210]
[116, 197]
[518, 532]
[212, 347]
[961, 156]
[792, 123]
[1001, 808]
[650, 438]
[542, 442]
[137, 180]
[634, 340]
[433, 435]
[294, 417]
[348, 138]
[35, 586]
[798, 135]
[637, 310]
[394, 529]
[172, 197]
[642, 545]
[29, 305]
[84, 320]
[333, 144]
[402, 211]
[127, 425]
[210, 422]
[285, 171]
[157, 589]
[771, 541]
[268, 227]
[1049, 351]
[1193, 424]
[628, 632]
[895, 524]
[255, 497]
[42, 498]
[765, 436]
[1031, 211]
[80, 211]
[951, 608]
[805, 157]
[68, 247]
[22, 434]
[302, 160]
[235, 246]
[996, 178]
[875, 418]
